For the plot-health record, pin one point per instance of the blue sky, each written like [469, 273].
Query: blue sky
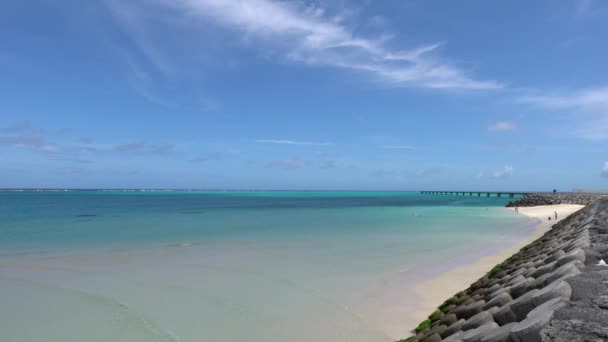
[264, 94]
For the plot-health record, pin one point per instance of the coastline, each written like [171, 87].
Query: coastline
[433, 291]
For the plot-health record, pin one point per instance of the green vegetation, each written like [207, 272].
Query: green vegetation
[496, 269]
[435, 314]
[443, 307]
[407, 339]
[423, 326]
[499, 267]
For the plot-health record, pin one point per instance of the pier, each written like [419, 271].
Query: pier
[475, 193]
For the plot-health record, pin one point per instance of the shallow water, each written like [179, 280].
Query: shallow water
[227, 266]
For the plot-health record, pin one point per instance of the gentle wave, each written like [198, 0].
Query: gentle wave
[121, 318]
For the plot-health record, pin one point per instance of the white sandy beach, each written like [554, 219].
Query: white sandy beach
[432, 292]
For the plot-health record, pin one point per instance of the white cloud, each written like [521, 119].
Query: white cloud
[605, 170]
[480, 175]
[399, 147]
[290, 142]
[307, 34]
[590, 106]
[506, 171]
[502, 126]
[592, 98]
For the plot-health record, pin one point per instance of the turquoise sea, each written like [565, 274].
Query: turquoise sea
[230, 266]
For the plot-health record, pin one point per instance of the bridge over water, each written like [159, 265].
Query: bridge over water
[476, 193]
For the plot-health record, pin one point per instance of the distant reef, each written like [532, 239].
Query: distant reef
[534, 199]
[554, 289]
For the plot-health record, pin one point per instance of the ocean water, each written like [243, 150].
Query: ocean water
[230, 266]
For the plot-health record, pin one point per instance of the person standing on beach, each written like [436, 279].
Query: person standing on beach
[516, 209]
[556, 215]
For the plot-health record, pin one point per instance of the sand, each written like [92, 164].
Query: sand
[432, 292]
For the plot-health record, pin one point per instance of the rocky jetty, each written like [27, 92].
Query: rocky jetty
[534, 199]
[554, 289]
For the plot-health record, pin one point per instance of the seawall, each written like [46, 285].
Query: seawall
[551, 290]
[535, 199]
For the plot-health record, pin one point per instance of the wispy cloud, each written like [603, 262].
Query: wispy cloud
[399, 147]
[604, 172]
[22, 135]
[590, 105]
[386, 172]
[73, 160]
[72, 170]
[35, 141]
[288, 164]
[583, 7]
[86, 140]
[328, 164]
[17, 127]
[141, 78]
[429, 171]
[506, 172]
[305, 33]
[209, 105]
[199, 160]
[132, 20]
[291, 142]
[585, 98]
[62, 146]
[501, 126]
[162, 148]
[521, 148]
[134, 146]
[87, 150]
[404, 174]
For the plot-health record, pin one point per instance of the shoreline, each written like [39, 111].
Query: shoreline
[431, 292]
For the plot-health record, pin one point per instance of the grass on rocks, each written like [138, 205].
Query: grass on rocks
[407, 339]
[443, 307]
[435, 314]
[425, 324]
[496, 269]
